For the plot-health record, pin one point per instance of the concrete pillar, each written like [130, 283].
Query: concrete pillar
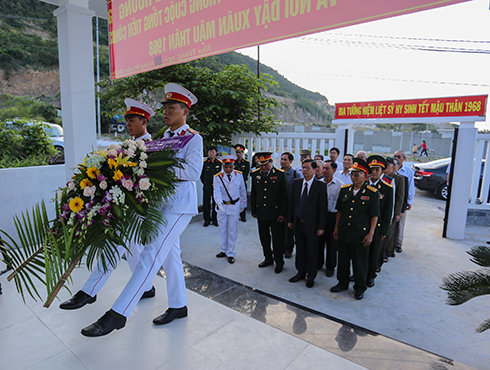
[340, 133]
[461, 187]
[75, 46]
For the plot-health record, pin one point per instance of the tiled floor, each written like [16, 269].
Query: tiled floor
[242, 317]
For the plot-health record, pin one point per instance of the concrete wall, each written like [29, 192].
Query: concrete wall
[389, 141]
[22, 188]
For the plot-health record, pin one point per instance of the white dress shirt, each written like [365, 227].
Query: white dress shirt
[408, 173]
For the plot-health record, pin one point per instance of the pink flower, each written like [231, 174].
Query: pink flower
[143, 164]
[70, 185]
[89, 191]
[128, 184]
[129, 152]
[103, 185]
[144, 184]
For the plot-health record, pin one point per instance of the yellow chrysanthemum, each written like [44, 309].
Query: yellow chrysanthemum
[93, 172]
[112, 163]
[130, 164]
[76, 204]
[85, 182]
[118, 175]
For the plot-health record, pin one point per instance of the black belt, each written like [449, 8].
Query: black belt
[231, 202]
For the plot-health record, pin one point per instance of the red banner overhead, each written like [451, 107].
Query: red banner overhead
[460, 106]
[151, 34]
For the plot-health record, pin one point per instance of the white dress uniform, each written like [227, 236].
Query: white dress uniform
[228, 220]
[165, 250]
[98, 277]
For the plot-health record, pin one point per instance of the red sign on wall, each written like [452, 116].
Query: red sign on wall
[151, 34]
[461, 106]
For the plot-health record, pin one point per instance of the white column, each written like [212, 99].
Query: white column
[341, 139]
[461, 186]
[75, 46]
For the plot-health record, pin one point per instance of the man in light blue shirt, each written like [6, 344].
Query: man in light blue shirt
[408, 173]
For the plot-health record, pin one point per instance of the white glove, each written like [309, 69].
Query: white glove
[220, 207]
[242, 209]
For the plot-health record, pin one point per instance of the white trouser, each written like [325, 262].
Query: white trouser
[401, 229]
[98, 277]
[228, 228]
[164, 251]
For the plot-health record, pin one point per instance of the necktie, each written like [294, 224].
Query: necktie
[229, 177]
[171, 133]
[302, 202]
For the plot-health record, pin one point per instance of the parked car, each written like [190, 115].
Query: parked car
[54, 131]
[432, 176]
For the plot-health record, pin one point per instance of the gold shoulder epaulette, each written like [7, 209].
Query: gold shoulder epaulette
[219, 160]
[372, 188]
[205, 159]
[280, 169]
[246, 160]
[219, 173]
[192, 131]
[345, 186]
[240, 172]
[256, 170]
[386, 183]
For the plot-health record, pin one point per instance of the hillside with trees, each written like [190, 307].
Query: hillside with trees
[29, 78]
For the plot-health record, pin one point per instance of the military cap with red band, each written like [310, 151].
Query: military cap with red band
[177, 93]
[263, 157]
[377, 161]
[228, 159]
[138, 108]
[360, 165]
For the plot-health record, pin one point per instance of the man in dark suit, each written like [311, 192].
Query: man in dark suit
[308, 217]
[269, 202]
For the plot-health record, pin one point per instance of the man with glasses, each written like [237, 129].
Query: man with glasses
[357, 217]
[408, 173]
[269, 202]
[242, 165]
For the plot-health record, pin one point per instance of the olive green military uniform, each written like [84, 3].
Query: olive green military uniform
[209, 169]
[385, 191]
[269, 200]
[355, 223]
[244, 167]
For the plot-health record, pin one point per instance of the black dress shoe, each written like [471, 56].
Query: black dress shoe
[103, 326]
[337, 288]
[79, 300]
[398, 249]
[206, 223]
[310, 282]
[149, 293]
[221, 255]
[370, 283]
[299, 276]
[231, 260]
[215, 223]
[278, 269]
[243, 219]
[330, 272]
[265, 263]
[287, 254]
[170, 315]
[359, 296]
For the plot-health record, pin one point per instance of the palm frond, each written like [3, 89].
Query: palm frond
[483, 326]
[465, 285]
[481, 255]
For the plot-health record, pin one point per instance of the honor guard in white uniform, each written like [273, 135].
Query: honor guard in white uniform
[137, 116]
[231, 199]
[178, 211]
